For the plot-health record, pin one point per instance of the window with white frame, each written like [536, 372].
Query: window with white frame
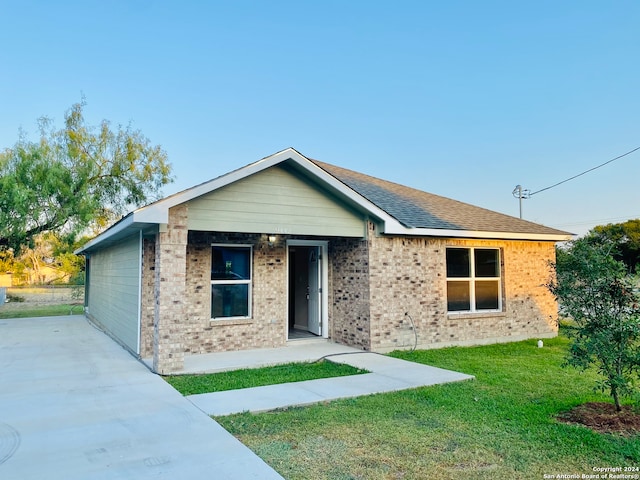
[473, 280]
[230, 281]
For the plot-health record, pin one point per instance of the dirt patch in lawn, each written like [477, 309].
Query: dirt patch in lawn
[603, 418]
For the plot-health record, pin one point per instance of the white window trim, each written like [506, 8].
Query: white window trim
[472, 281]
[235, 282]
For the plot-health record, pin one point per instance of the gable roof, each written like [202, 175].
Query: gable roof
[401, 210]
[416, 209]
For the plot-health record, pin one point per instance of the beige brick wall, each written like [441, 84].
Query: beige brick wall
[380, 288]
[526, 265]
[267, 325]
[405, 279]
[147, 302]
[408, 276]
[349, 298]
[170, 278]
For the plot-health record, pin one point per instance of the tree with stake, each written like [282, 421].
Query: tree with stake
[597, 292]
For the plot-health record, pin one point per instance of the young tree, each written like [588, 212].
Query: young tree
[75, 176]
[596, 291]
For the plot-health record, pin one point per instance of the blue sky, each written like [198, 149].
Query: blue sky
[464, 99]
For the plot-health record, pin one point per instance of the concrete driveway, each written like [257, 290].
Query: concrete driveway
[75, 405]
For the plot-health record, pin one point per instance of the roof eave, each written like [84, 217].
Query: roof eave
[117, 228]
[158, 212]
[394, 228]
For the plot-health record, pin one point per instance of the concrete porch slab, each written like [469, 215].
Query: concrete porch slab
[294, 352]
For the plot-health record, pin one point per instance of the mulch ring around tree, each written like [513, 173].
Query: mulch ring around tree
[603, 418]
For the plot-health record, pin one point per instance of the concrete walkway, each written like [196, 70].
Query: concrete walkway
[387, 375]
[75, 405]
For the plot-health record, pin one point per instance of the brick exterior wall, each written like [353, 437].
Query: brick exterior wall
[170, 293]
[349, 296]
[268, 323]
[408, 276]
[382, 292]
[147, 302]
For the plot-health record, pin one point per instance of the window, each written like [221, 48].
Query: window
[230, 281]
[473, 280]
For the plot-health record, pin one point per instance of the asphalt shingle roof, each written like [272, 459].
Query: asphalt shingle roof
[417, 209]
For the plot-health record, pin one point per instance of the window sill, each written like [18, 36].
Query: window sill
[231, 321]
[463, 315]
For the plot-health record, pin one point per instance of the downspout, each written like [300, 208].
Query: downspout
[140, 253]
[87, 281]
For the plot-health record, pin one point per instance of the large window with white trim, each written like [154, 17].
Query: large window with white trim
[473, 280]
[230, 281]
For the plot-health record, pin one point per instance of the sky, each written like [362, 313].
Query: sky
[464, 99]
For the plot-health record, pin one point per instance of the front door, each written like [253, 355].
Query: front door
[307, 298]
[314, 291]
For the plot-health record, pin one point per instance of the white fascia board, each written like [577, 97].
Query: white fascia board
[158, 212]
[123, 224]
[437, 232]
[391, 226]
[346, 191]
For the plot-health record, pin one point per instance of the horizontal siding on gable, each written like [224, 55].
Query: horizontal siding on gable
[274, 201]
[114, 295]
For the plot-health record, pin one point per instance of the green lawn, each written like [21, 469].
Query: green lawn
[256, 377]
[499, 426]
[19, 310]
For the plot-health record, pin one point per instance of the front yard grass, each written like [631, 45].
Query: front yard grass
[258, 377]
[500, 426]
[19, 310]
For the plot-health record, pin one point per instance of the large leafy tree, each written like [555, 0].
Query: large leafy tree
[626, 237]
[75, 177]
[599, 295]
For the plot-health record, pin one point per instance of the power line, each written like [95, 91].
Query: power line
[586, 171]
[523, 193]
[595, 221]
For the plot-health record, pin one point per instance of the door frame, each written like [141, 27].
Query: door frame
[324, 283]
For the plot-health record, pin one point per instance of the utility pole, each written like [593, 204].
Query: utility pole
[520, 193]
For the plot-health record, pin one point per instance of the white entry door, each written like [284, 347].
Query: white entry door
[314, 291]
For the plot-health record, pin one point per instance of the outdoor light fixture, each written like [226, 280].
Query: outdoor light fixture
[272, 240]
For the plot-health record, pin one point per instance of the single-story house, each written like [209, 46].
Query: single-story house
[289, 246]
